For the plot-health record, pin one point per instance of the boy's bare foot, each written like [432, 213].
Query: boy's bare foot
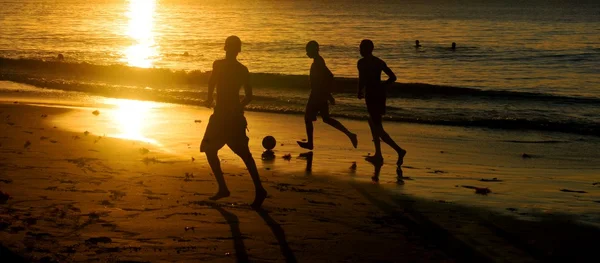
[401, 155]
[305, 145]
[219, 195]
[259, 199]
[354, 140]
[375, 159]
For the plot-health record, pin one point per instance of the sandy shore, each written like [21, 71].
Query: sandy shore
[86, 197]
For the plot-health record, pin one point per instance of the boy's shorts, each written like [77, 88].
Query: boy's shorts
[316, 106]
[376, 105]
[225, 130]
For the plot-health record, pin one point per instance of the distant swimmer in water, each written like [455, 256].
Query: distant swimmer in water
[60, 57]
[321, 80]
[453, 46]
[369, 80]
[417, 45]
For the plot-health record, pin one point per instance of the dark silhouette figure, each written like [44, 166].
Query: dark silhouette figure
[417, 45]
[321, 80]
[227, 125]
[453, 46]
[60, 57]
[369, 79]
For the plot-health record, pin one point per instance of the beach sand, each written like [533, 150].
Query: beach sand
[79, 196]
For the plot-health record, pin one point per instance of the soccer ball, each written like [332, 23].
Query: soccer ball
[269, 142]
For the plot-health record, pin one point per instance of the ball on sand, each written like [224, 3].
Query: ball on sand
[269, 142]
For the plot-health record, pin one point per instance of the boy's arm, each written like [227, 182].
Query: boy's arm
[329, 86]
[326, 79]
[247, 91]
[361, 83]
[331, 99]
[391, 76]
[212, 82]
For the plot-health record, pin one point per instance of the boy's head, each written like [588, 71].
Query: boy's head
[366, 47]
[312, 49]
[233, 45]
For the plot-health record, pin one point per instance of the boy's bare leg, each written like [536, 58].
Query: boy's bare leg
[215, 165]
[377, 158]
[385, 137]
[309, 133]
[338, 125]
[260, 192]
[376, 124]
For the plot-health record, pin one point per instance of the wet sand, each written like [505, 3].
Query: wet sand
[93, 198]
[78, 197]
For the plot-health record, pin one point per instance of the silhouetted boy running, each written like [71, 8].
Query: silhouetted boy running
[369, 79]
[321, 80]
[227, 125]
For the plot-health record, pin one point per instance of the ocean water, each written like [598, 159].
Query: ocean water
[519, 64]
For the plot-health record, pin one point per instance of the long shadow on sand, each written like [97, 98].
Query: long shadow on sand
[236, 234]
[279, 235]
[432, 233]
[550, 238]
[8, 256]
[238, 241]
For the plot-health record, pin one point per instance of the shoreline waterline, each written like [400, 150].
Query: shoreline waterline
[441, 158]
[408, 102]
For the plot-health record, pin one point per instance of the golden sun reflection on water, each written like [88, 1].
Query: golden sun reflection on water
[132, 118]
[141, 30]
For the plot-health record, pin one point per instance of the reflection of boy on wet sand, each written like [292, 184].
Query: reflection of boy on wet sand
[227, 125]
[321, 80]
[369, 79]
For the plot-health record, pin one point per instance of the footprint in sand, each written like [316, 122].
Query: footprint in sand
[573, 191]
[4, 197]
[6, 181]
[490, 180]
[96, 240]
[478, 190]
[116, 195]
